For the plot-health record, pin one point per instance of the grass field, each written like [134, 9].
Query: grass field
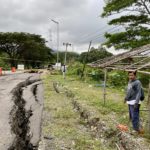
[63, 124]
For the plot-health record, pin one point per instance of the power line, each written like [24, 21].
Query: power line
[100, 34]
[89, 36]
[92, 33]
[105, 32]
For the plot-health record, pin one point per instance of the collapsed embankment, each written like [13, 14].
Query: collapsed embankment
[107, 134]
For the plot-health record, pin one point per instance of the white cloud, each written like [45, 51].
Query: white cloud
[76, 18]
[115, 52]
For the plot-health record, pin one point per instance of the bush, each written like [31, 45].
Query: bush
[117, 78]
[94, 73]
[75, 69]
[144, 78]
[4, 65]
[114, 78]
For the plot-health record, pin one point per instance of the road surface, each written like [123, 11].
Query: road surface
[21, 106]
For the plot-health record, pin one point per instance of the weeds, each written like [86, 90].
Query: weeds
[89, 96]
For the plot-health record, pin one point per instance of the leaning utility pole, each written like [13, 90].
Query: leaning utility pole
[84, 63]
[64, 69]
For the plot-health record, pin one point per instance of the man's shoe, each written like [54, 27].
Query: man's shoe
[141, 131]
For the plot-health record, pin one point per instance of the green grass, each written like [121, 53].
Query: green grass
[92, 96]
[86, 143]
[65, 123]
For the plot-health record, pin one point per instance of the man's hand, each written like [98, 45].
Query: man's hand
[136, 105]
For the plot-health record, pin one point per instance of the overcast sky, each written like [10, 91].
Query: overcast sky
[79, 20]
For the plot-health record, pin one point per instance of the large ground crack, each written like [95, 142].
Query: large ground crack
[19, 119]
[99, 128]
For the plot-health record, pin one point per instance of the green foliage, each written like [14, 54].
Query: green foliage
[4, 63]
[120, 79]
[96, 74]
[117, 78]
[144, 79]
[135, 37]
[94, 54]
[137, 31]
[132, 19]
[93, 73]
[115, 5]
[86, 143]
[24, 46]
[75, 69]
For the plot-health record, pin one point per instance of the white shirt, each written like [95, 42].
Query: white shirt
[132, 102]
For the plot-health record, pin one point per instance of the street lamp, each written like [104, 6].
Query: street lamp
[57, 38]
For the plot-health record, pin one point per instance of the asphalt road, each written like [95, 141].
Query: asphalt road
[31, 96]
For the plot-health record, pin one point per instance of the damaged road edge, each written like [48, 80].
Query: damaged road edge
[19, 119]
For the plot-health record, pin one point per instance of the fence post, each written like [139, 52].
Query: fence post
[148, 109]
[104, 92]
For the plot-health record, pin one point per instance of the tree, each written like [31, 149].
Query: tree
[136, 23]
[4, 62]
[94, 54]
[29, 47]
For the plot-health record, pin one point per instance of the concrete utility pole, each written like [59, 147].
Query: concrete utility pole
[84, 63]
[104, 90]
[57, 39]
[65, 44]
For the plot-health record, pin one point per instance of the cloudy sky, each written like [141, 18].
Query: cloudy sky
[79, 20]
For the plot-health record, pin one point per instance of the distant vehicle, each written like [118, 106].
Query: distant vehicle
[51, 67]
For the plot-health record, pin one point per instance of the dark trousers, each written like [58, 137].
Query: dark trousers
[134, 116]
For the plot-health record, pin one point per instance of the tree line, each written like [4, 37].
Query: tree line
[31, 50]
[26, 48]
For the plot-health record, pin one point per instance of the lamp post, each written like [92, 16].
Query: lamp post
[57, 39]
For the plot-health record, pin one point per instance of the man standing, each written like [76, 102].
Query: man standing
[63, 68]
[132, 98]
